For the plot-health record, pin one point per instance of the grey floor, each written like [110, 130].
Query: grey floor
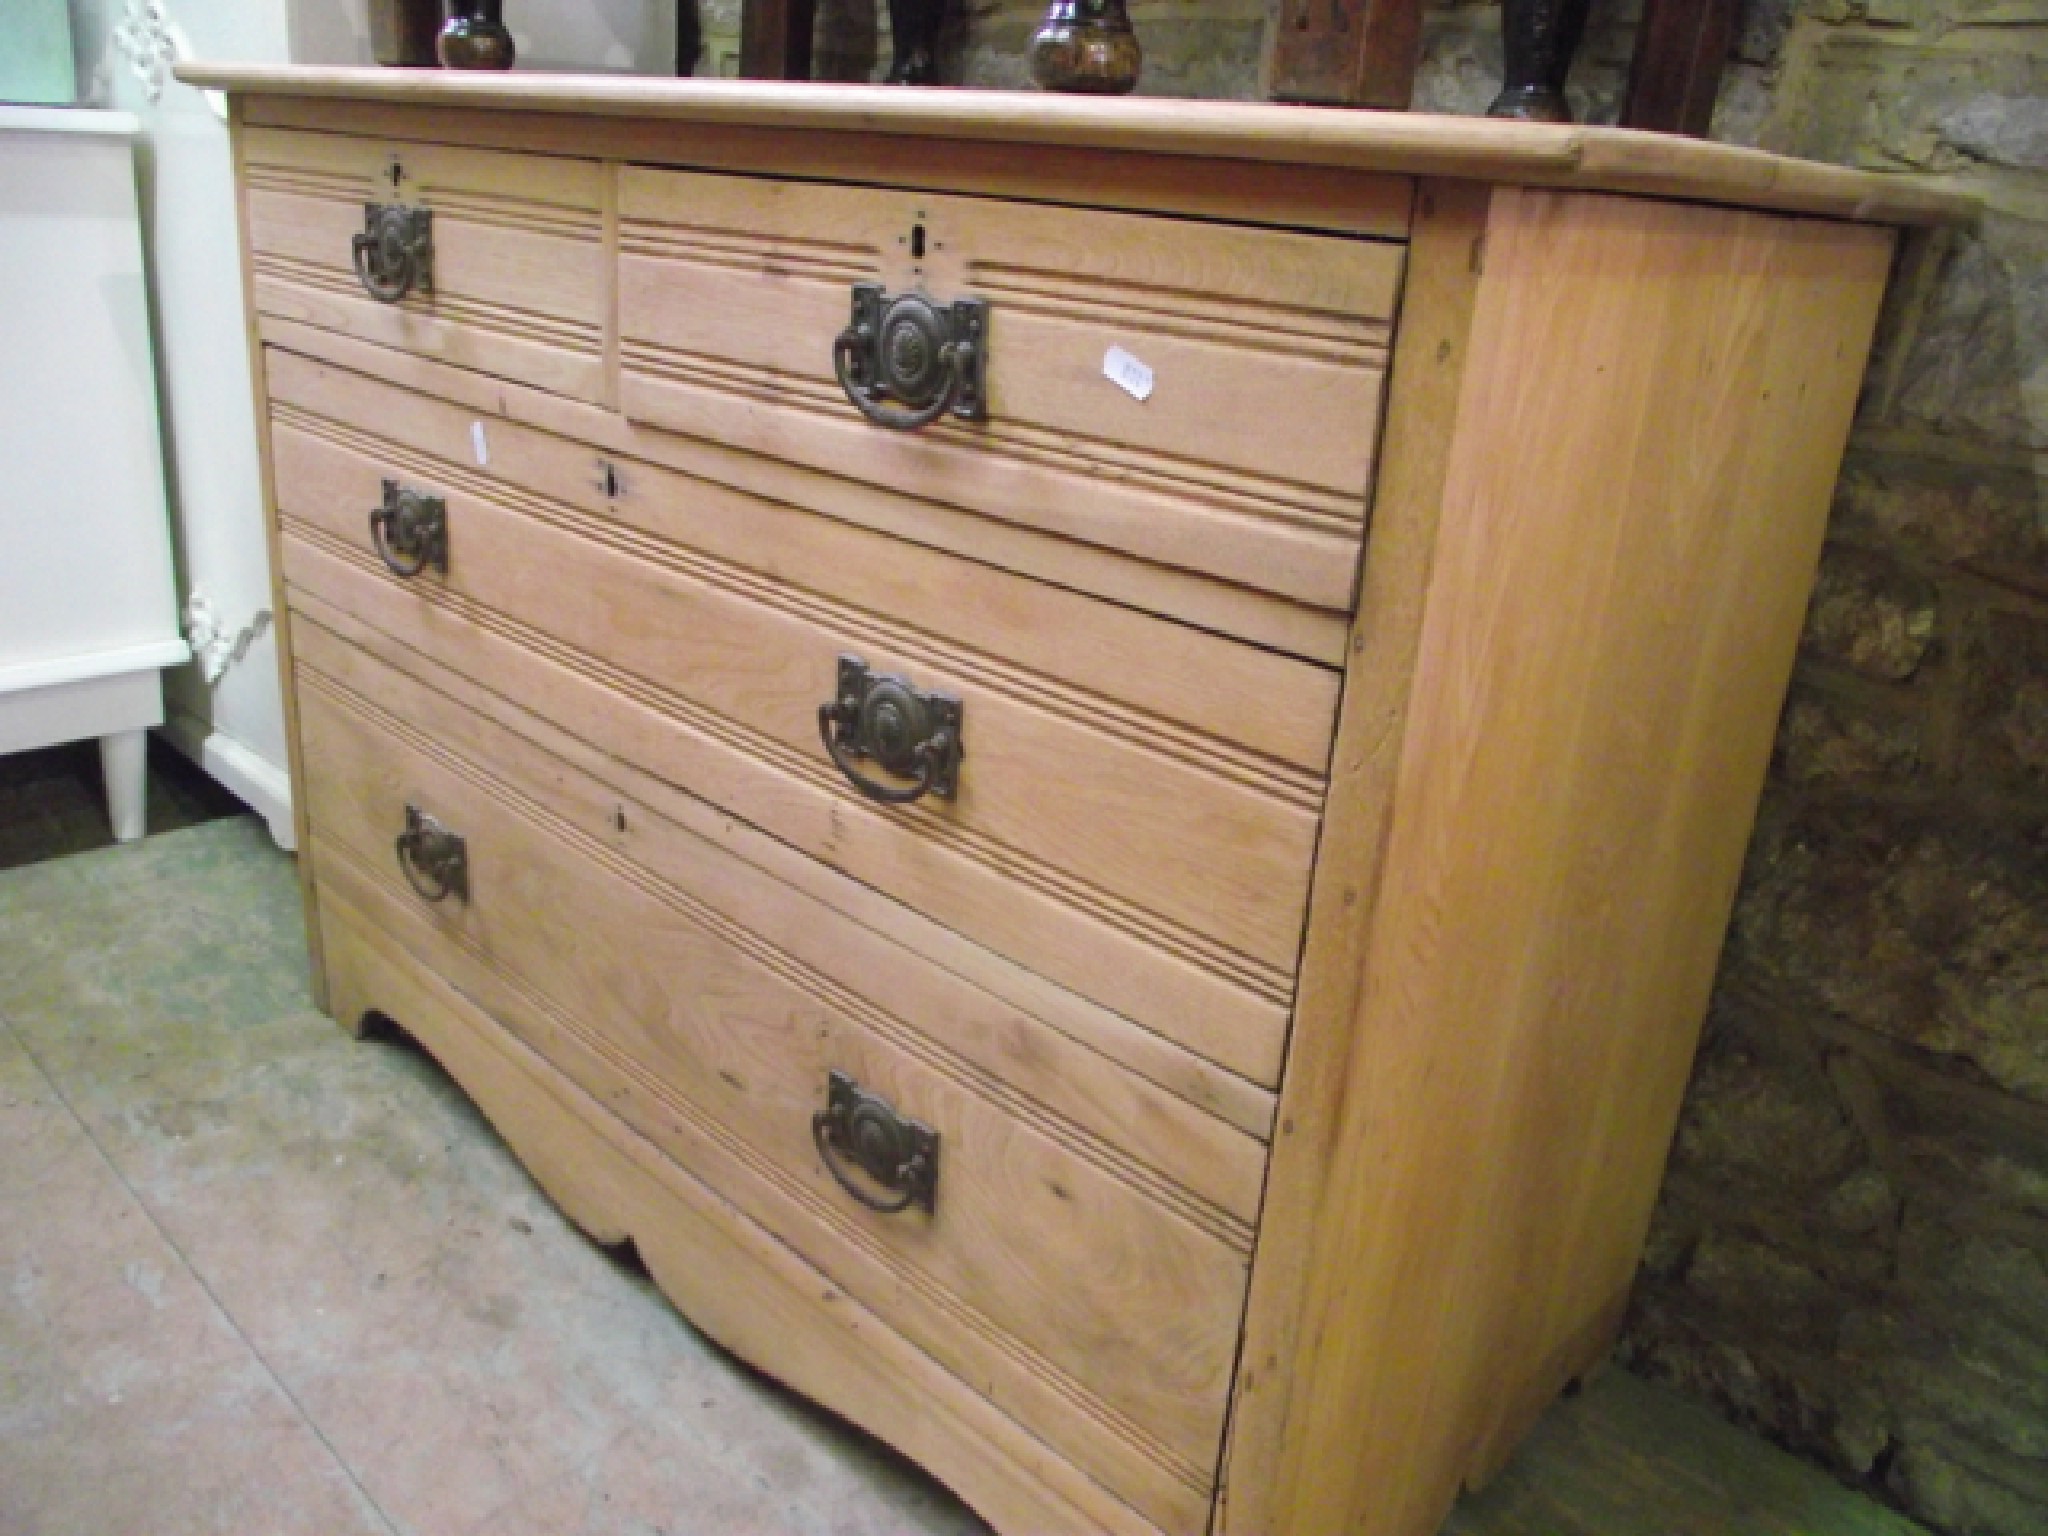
[256, 1277]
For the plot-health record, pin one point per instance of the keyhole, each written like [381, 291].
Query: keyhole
[611, 479]
[397, 174]
[618, 818]
[917, 242]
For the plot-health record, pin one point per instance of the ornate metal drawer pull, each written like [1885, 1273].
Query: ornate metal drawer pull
[898, 1154]
[435, 860]
[914, 735]
[395, 252]
[410, 530]
[931, 357]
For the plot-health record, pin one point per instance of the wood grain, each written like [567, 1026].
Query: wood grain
[521, 284]
[1099, 1293]
[1593, 159]
[1206, 603]
[1220, 1096]
[1184, 1156]
[1610, 623]
[1203, 690]
[732, 290]
[1429, 368]
[1349, 53]
[1212, 870]
[1184, 1005]
[747, 1290]
[1216, 187]
[1540, 710]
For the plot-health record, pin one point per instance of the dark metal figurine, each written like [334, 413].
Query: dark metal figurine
[914, 39]
[1538, 38]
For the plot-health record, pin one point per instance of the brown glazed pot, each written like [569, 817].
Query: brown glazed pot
[474, 36]
[1086, 45]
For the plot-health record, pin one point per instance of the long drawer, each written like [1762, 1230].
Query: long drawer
[1084, 1261]
[517, 281]
[1242, 447]
[1138, 803]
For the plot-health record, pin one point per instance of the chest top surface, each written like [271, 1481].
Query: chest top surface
[1533, 154]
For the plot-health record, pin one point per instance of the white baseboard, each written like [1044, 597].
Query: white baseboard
[263, 786]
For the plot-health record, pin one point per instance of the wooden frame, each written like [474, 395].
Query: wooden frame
[1559, 684]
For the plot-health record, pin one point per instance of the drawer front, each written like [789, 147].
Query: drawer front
[1157, 864]
[1088, 1295]
[517, 282]
[1248, 456]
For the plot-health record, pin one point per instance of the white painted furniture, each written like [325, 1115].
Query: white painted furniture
[88, 613]
[225, 712]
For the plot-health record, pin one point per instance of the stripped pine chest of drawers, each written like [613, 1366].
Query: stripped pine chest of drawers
[1084, 761]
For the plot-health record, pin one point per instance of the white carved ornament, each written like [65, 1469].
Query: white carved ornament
[148, 41]
[215, 646]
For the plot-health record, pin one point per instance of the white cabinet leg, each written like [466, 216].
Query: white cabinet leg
[124, 757]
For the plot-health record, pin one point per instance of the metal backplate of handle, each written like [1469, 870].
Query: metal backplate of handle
[863, 1129]
[434, 860]
[410, 530]
[930, 358]
[394, 254]
[912, 734]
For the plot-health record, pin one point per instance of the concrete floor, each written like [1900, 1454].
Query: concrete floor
[256, 1277]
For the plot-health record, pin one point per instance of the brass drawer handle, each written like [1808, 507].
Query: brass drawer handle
[931, 357]
[435, 861]
[395, 252]
[914, 735]
[410, 531]
[899, 1154]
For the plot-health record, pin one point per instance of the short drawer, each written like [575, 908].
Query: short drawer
[1136, 809]
[1089, 1292]
[1243, 450]
[491, 261]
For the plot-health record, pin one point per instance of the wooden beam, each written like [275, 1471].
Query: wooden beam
[1346, 53]
[1681, 49]
[775, 39]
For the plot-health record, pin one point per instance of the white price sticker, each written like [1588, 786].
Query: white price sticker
[476, 441]
[1127, 373]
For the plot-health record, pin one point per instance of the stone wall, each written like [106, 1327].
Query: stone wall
[1851, 1251]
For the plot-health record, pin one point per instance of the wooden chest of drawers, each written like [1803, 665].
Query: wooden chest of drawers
[842, 686]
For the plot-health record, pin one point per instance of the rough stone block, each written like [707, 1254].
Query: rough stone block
[1837, 736]
[1990, 522]
[1995, 13]
[1943, 1483]
[1870, 614]
[1763, 1292]
[1760, 34]
[2005, 736]
[1461, 60]
[1935, 935]
[1762, 1123]
[1982, 1158]
[1816, 1402]
[1977, 364]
